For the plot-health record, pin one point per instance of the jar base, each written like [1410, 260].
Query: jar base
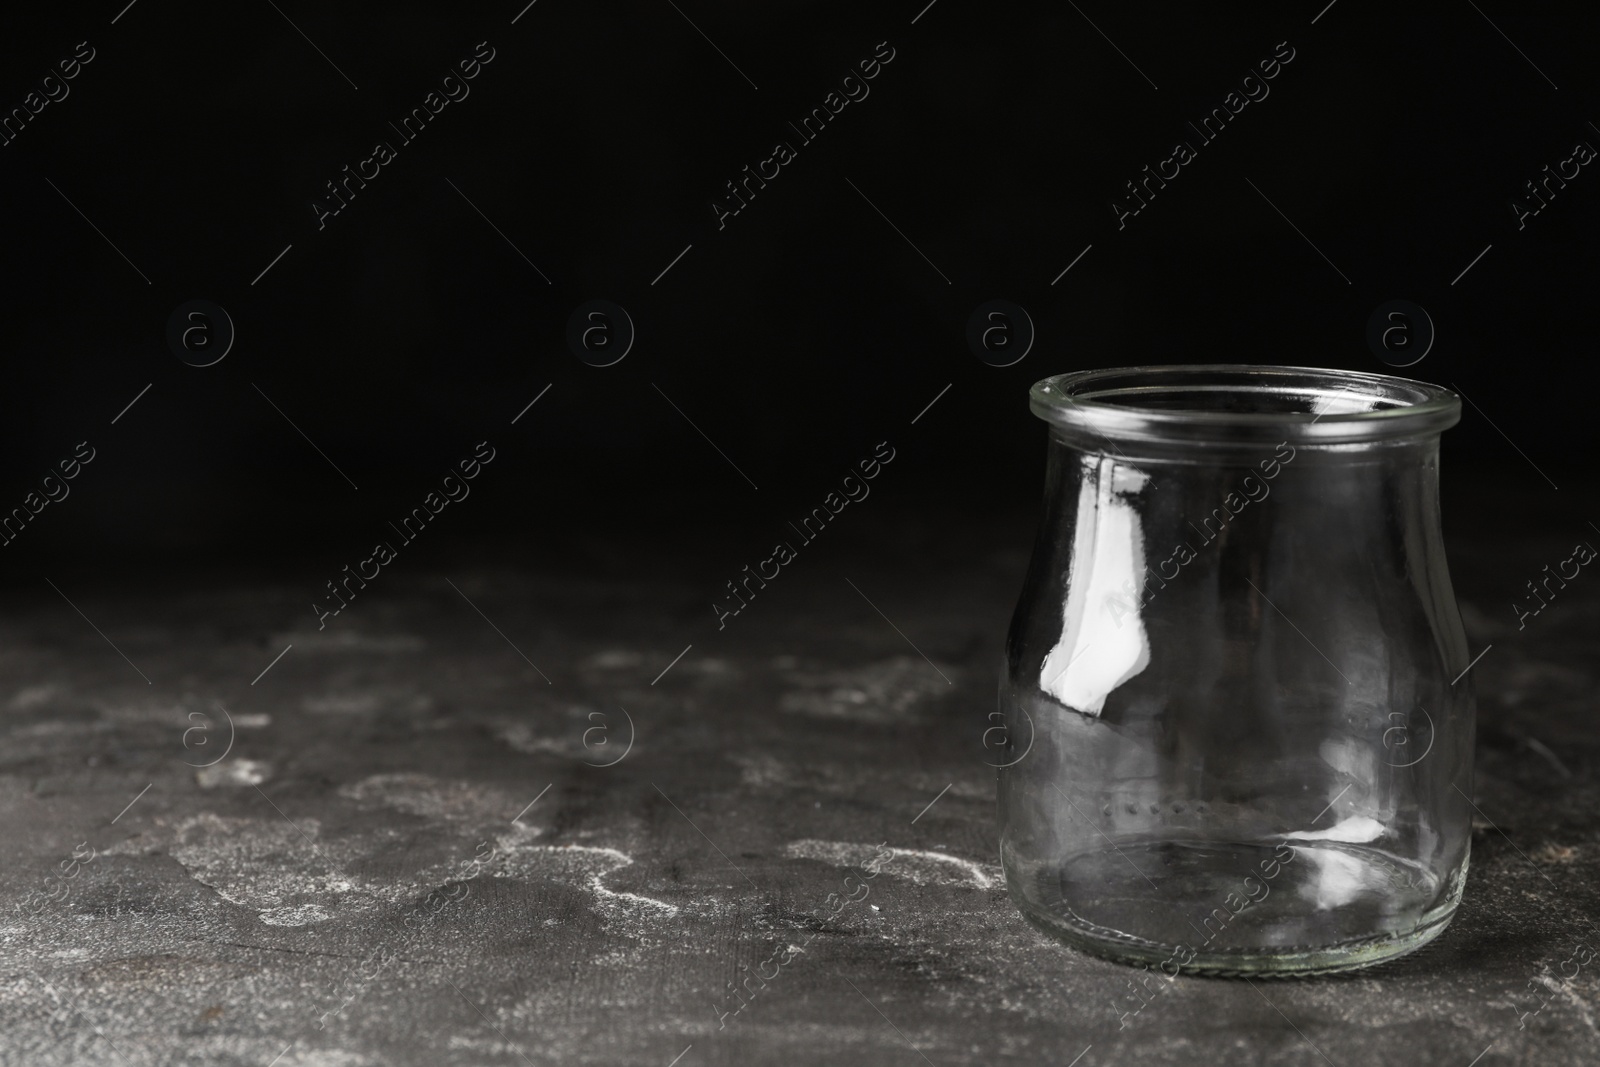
[1210, 908]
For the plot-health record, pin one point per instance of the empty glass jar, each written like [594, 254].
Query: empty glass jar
[1238, 721]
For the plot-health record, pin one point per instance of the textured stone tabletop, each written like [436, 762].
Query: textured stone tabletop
[412, 852]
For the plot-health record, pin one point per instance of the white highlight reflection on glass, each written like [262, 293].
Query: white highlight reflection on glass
[1103, 639]
[1340, 877]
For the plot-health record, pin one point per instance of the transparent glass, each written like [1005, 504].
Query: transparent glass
[1238, 722]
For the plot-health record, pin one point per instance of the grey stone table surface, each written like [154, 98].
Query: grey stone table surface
[405, 847]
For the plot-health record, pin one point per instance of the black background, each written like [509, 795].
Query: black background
[801, 334]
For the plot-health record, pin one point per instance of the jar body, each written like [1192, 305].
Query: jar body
[1237, 742]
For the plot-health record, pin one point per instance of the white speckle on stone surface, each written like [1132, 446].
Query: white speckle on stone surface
[343, 704]
[233, 772]
[526, 737]
[891, 690]
[586, 866]
[1564, 989]
[914, 865]
[296, 915]
[614, 659]
[367, 701]
[439, 798]
[267, 867]
[324, 1057]
[762, 770]
[33, 696]
[345, 640]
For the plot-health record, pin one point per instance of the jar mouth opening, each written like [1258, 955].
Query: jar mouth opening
[1243, 402]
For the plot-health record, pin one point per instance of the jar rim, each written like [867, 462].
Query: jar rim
[1239, 402]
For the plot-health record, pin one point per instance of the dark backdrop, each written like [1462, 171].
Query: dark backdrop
[817, 322]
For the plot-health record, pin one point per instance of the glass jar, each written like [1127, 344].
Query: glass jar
[1238, 722]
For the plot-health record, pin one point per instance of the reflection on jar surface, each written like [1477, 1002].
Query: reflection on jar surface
[1239, 730]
